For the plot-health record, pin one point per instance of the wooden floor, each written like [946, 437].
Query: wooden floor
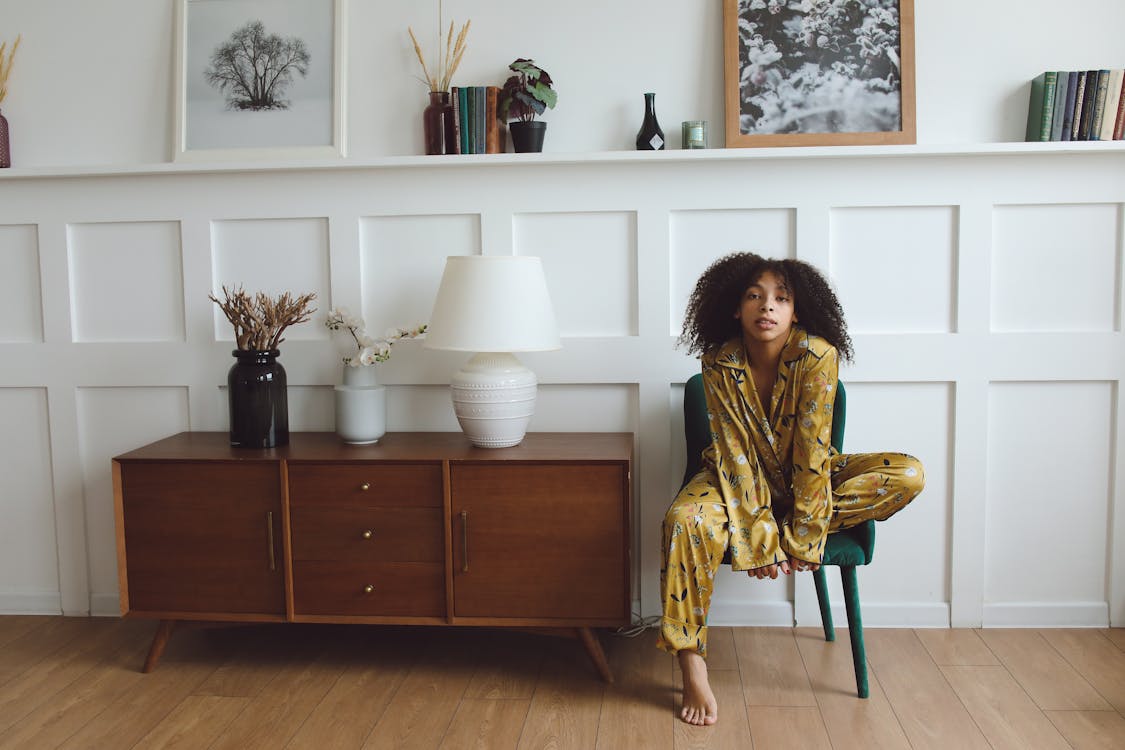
[76, 683]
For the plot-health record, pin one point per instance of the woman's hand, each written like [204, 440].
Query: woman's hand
[800, 565]
[769, 571]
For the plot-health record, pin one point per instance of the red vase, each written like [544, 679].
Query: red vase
[437, 124]
[5, 151]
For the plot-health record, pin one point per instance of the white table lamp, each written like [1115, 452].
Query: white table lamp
[493, 305]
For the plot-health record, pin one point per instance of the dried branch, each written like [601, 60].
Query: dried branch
[259, 321]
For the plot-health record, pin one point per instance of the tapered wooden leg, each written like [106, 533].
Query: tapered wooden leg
[595, 652]
[159, 641]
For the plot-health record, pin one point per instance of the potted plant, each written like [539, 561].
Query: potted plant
[256, 383]
[525, 95]
[361, 403]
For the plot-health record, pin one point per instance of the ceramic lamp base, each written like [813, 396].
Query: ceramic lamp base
[494, 399]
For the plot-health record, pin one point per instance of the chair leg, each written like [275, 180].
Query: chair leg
[855, 627]
[825, 606]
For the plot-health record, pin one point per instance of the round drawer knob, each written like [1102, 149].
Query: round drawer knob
[365, 486]
[368, 589]
[368, 534]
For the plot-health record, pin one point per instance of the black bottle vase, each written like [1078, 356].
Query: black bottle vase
[259, 407]
[650, 137]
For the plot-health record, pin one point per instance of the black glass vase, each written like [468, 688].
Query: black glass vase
[259, 408]
[651, 136]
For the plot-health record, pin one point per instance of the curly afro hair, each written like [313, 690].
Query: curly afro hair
[710, 322]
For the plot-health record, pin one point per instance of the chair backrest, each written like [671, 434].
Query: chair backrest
[697, 430]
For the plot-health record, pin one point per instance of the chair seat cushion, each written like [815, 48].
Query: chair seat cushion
[843, 549]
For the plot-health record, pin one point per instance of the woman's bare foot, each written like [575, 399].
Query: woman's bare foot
[700, 707]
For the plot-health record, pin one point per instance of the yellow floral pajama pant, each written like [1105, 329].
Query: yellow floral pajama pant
[865, 486]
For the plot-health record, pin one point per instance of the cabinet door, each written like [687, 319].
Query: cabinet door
[540, 541]
[203, 537]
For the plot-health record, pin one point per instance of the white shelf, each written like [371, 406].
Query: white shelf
[612, 157]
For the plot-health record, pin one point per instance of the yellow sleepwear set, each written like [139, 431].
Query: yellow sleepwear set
[772, 486]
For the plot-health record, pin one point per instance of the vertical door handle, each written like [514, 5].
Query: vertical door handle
[269, 539]
[464, 541]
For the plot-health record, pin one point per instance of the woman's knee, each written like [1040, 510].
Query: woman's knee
[913, 475]
[681, 515]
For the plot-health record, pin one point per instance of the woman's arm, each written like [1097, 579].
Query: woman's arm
[754, 539]
[805, 531]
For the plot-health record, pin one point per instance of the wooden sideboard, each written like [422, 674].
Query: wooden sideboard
[421, 528]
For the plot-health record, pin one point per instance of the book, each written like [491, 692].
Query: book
[1079, 101]
[1068, 111]
[1112, 100]
[1061, 83]
[454, 95]
[1040, 105]
[463, 97]
[474, 128]
[1119, 126]
[479, 113]
[492, 124]
[1088, 105]
[1098, 113]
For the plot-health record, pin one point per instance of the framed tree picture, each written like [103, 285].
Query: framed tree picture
[259, 79]
[818, 72]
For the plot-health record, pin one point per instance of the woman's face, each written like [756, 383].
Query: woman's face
[766, 311]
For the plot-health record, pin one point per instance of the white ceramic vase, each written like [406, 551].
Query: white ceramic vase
[361, 407]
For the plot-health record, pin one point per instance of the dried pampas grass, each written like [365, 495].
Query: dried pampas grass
[6, 65]
[448, 59]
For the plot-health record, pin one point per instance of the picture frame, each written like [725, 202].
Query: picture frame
[830, 76]
[294, 109]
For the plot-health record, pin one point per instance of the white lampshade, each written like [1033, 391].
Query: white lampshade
[493, 305]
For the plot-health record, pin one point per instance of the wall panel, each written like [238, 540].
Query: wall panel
[103, 433]
[700, 237]
[894, 267]
[1050, 469]
[1056, 268]
[591, 264]
[274, 256]
[29, 574]
[21, 304]
[126, 281]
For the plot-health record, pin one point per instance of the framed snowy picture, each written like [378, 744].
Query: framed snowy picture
[818, 72]
[259, 79]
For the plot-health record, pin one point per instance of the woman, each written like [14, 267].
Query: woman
[772, 488]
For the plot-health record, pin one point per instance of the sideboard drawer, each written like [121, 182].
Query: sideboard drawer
[379, 534]
[365, 485]
[340, 588]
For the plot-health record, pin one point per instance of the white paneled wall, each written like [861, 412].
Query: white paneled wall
[984, 300]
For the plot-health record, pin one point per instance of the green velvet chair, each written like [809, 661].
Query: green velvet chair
[845, 549]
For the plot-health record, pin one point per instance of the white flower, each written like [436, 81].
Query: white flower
[802, 530]
[368, 349]
[698, 611]
[741, 460]
[911, 472]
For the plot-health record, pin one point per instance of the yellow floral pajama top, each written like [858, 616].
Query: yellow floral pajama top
[772, 486]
